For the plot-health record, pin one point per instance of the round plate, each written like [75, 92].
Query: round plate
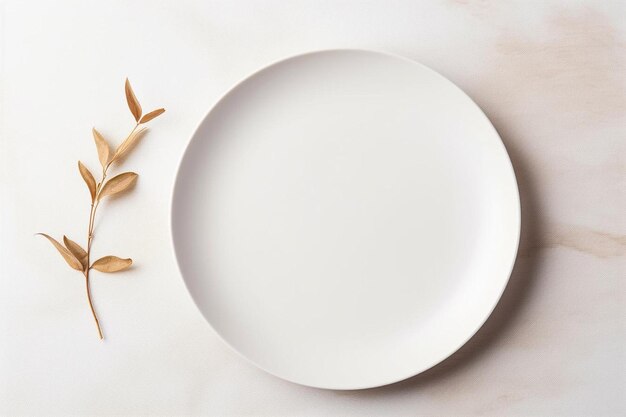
[345, 219]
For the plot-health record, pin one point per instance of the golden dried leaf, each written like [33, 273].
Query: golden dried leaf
[133, 103]
[89, 180]
[112, 264]
[66, 254]
[128, 144]
[78, 252]
[118, 184]
[152, 115]
[102, 146]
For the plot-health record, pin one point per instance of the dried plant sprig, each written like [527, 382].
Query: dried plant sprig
[74, 254]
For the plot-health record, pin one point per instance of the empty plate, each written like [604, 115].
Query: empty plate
[345, 219]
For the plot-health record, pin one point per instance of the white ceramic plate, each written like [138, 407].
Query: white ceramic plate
[345, 219]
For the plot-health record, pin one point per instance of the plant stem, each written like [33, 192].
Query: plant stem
[93, 311]
[92, 216]
[92, 220]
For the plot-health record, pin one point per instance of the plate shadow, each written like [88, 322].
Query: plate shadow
[518, 290]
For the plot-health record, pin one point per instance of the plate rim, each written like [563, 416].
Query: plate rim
[413, 371]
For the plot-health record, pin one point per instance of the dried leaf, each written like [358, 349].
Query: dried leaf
[152, 115]
[103, 148]
[133, 103]
[118, 184]
[112, 264]
[128, 144]
[78, 252]
[66, 254]
[89, 180]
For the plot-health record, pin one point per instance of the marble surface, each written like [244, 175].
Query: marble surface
[550, 75]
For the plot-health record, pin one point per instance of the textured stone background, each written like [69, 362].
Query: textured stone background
[550, 75]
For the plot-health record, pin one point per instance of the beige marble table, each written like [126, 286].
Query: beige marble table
[550, 75]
